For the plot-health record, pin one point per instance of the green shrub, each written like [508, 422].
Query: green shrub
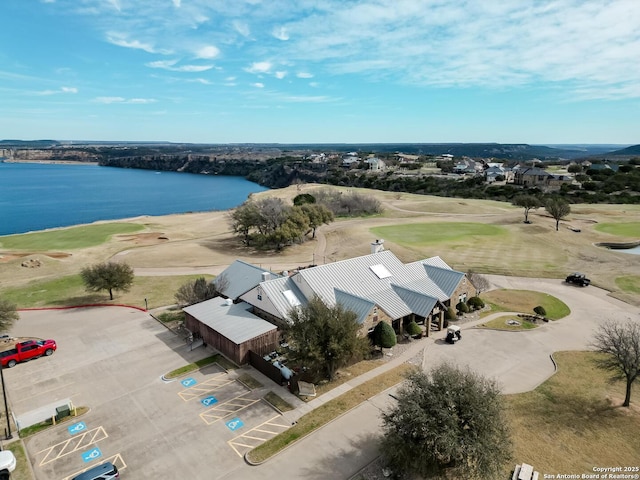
[476, 303]
[449, 313]
[383, 335]
[540, 310]
[413, 328]
[462, 307]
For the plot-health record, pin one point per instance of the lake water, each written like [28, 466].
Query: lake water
[36, 196]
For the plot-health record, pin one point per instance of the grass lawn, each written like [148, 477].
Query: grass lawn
[524, 301]
[630, 283]
[22, 471]
[278, 402]
[500, 323]
[67, 238]
[625, 229]
[573, 421]
[69, 290]
[422, 234]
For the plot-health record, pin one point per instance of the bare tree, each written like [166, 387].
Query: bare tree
[479, 281]
[558, 209]
[620, 344]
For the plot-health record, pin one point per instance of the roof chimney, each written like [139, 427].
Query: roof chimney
[265, 276]
[228, 302]
[377, 246]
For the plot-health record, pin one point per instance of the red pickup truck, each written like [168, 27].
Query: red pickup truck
[24, 351]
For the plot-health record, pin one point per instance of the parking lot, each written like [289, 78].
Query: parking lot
[111, 360]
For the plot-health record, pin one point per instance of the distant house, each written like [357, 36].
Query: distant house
[375, 164]
[531, 177]
[496, 170]
[468, 166]
[350, 160]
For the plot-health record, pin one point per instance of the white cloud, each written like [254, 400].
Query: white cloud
[138, 101]
[304, 75]
[258, 85]
[171, 66]
[108, 100]
[55, 92]
[259, 67]
[579, 47]
[208, 52]
[280, 33]
[280, 75]
[242, 28]
[119, 40]
[308, 98]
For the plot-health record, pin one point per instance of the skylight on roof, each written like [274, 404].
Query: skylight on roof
[291, 298]
[380, 270]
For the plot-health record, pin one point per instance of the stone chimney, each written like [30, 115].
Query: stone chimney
[377, 246]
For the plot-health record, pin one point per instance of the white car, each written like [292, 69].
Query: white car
[7, 461]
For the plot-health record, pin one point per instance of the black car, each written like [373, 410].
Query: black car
[578, 279]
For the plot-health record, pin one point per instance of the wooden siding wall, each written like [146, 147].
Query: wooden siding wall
[238, 354]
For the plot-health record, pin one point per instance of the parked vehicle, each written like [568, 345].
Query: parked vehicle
[23, 351]
[105, 471]
[578, 279]
[7, 461]
[453, 334]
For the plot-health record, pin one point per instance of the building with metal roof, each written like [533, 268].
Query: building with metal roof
[378, 287]
[231, 328]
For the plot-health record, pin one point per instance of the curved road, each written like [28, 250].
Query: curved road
[518, 360]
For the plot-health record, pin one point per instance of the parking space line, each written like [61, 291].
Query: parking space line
[116, 460]
[254, 437]
[71, 445]
[207, 386]
[225, 409]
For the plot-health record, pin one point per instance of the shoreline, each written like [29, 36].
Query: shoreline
[49, 162]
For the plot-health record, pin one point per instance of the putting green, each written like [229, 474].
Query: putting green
[421, 234]
[67, 238]
[626, 229]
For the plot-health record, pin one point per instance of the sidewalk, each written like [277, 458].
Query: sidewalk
[413, 353]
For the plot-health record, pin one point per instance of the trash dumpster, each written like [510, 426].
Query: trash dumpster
[62, 412]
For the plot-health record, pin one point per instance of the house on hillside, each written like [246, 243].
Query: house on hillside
[531, 177]
[375, 164]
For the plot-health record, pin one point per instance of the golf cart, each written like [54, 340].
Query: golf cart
[453, 334]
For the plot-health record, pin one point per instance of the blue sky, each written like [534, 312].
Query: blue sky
[229, 71]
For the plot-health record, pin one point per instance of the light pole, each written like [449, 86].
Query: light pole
[6, 407]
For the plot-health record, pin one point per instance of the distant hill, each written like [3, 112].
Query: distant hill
[633, 150]
[516, 151]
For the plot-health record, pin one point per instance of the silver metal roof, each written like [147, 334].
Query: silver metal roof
[242, 277]
[234, 321]
[360, 306]
[275, 290]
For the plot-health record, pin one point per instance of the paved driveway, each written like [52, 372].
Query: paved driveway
[111, 360]
[519, 361]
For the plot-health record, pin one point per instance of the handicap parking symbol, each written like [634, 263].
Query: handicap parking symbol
[209, 401]
[77, 428]
[91, 454]
[188, 382]
[234, 424]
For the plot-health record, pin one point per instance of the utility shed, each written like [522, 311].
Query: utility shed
[231, 328]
